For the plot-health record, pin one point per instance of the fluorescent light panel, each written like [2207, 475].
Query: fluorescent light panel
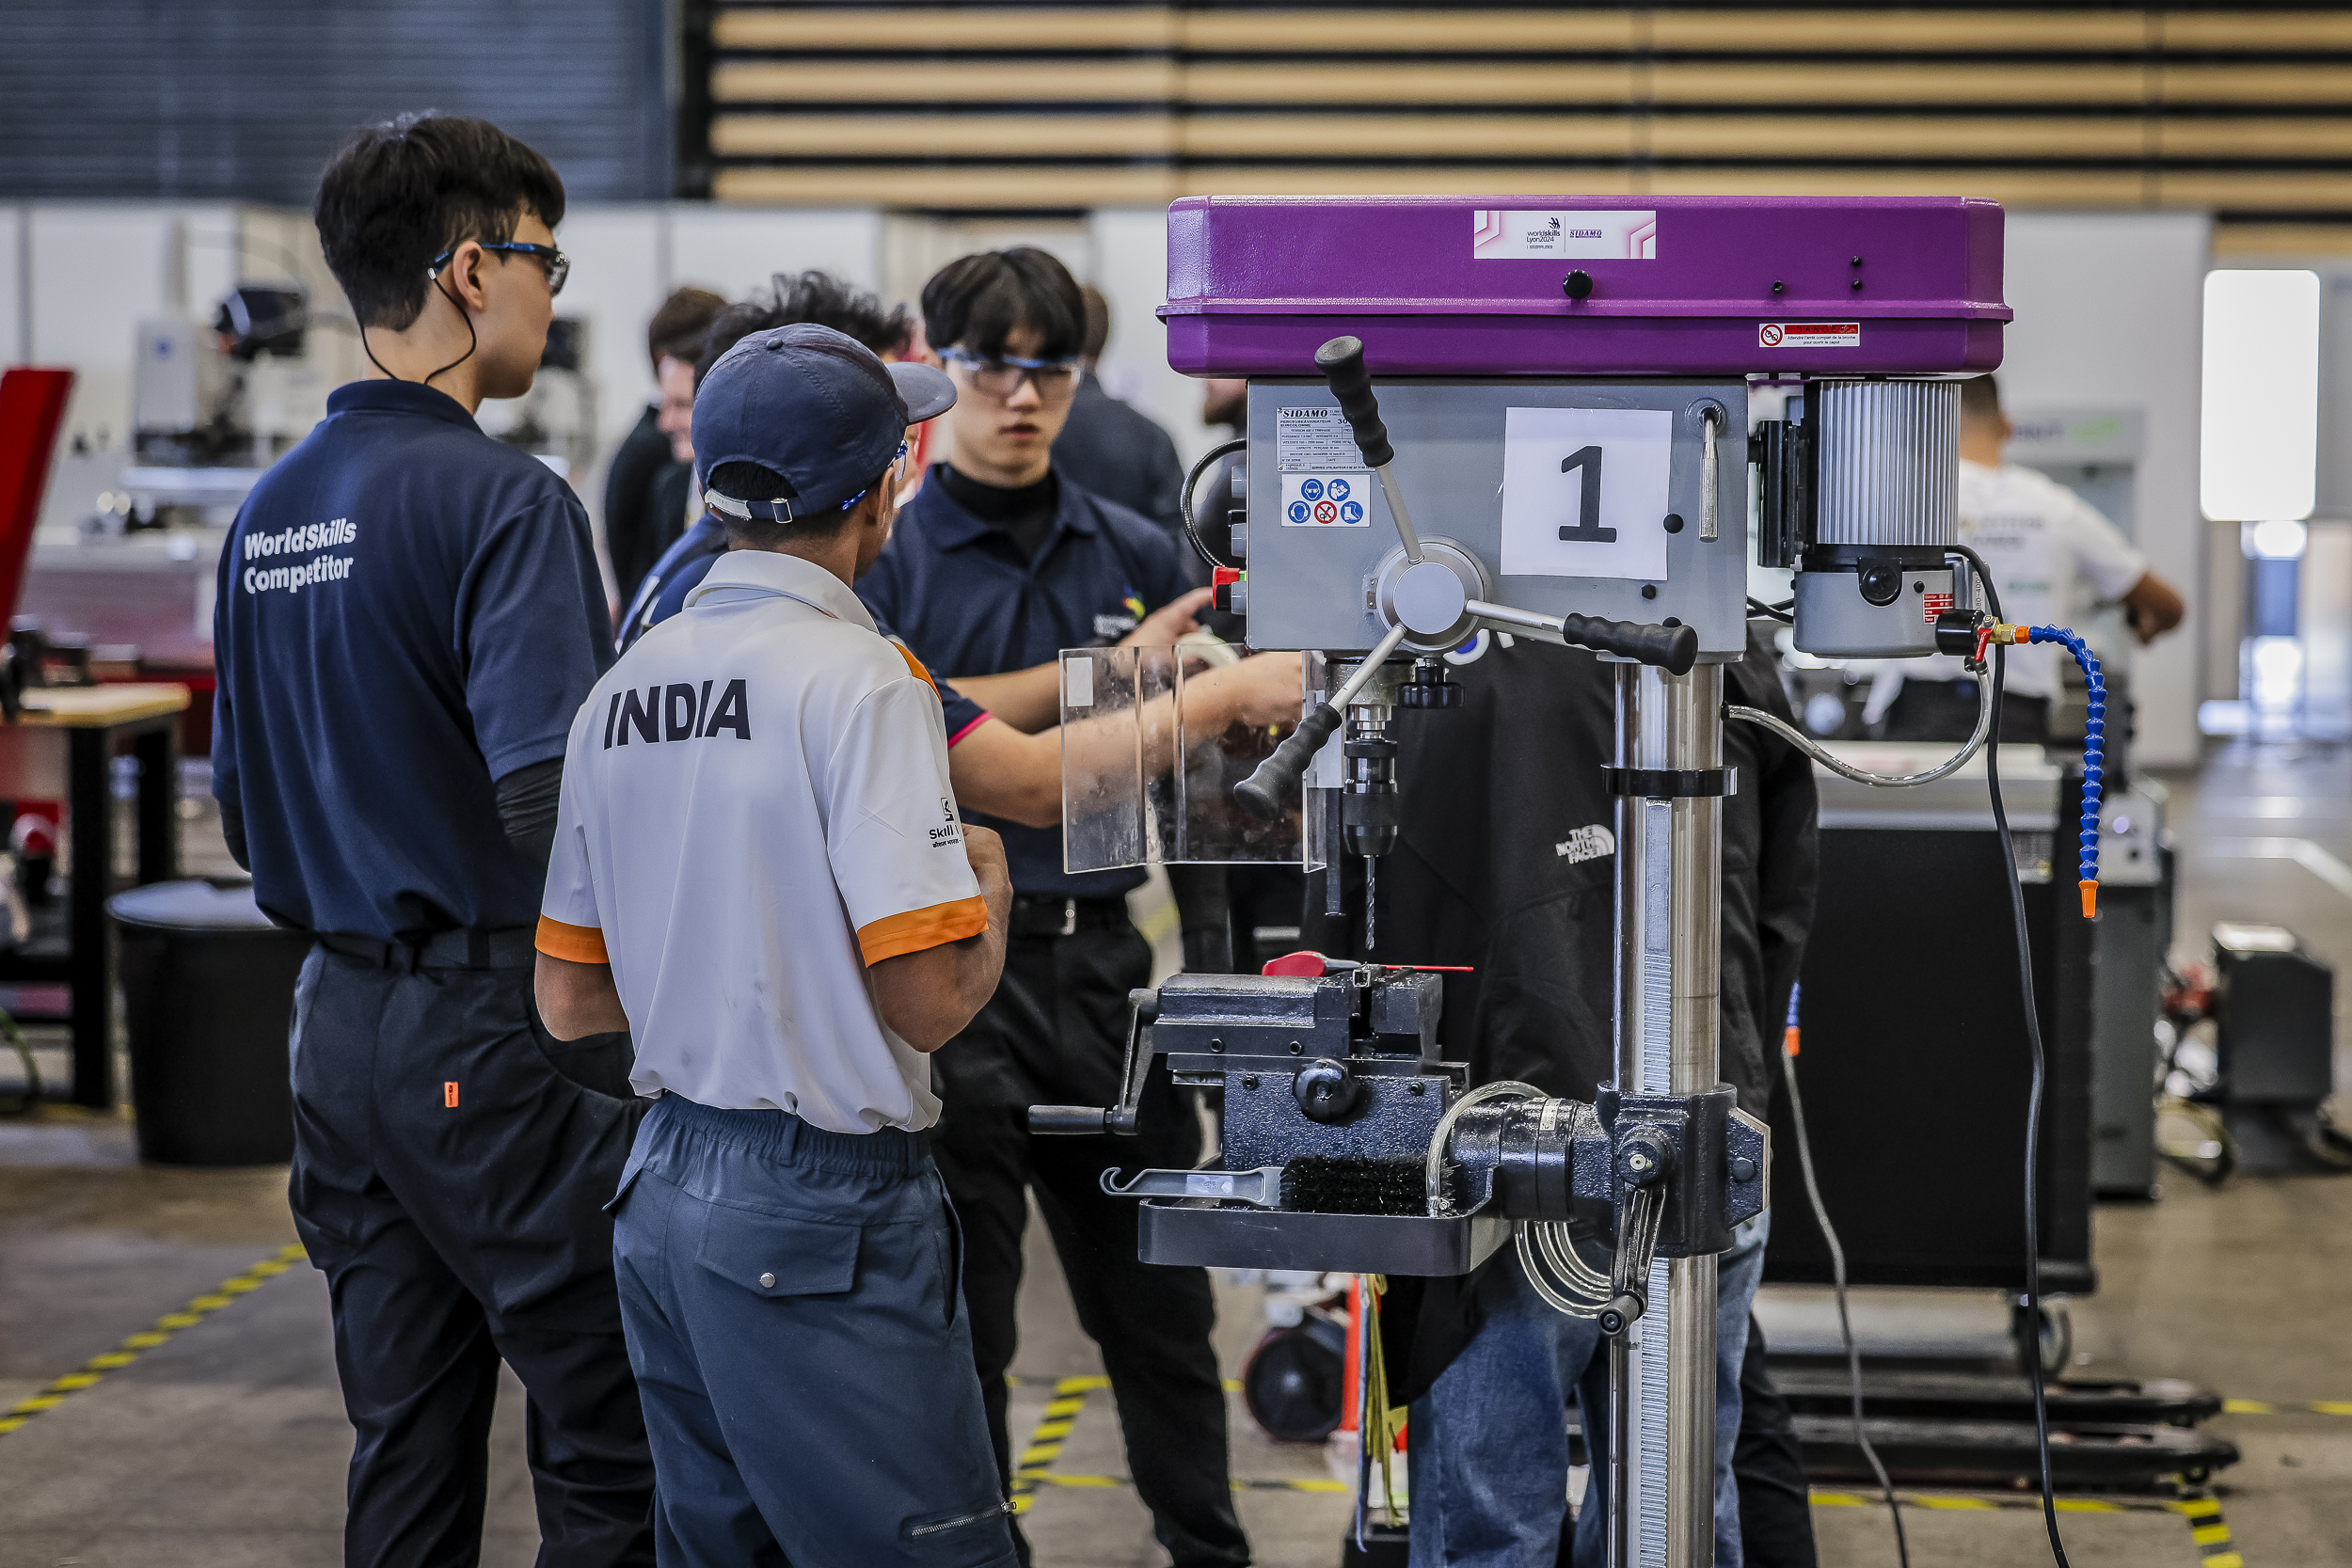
[2261, 448]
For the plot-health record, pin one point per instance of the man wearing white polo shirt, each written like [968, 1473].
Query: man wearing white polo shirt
[759, 871]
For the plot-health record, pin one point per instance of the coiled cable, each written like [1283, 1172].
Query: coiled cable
[1548, 1255]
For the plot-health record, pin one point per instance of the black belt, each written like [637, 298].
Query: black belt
[465, 949]
[1037, 916]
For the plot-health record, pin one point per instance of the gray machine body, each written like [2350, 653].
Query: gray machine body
[1834, 621]
[1449, 438]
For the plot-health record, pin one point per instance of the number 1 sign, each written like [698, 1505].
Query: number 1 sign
[1585, 492]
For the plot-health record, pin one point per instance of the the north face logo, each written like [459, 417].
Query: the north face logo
[1586, 844]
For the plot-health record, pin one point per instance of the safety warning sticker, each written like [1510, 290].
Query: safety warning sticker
[1325, 501]
[1314, 438]
[1808, 335]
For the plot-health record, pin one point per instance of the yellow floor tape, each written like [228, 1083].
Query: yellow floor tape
[1034, 1468]
[2196, 1504]
[57, 1390]
[2286, 1407]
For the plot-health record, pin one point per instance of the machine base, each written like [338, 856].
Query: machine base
[1207, 1234]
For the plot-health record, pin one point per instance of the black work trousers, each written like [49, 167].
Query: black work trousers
[1768, 1462]
[1066, 997]
[452, 1161]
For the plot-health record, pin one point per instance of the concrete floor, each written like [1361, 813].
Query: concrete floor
[225, 1444]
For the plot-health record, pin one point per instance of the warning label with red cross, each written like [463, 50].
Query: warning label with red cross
[1808, 335]
[1327, 501]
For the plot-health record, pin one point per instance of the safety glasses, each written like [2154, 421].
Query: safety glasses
[558, 265]
[1054, 379]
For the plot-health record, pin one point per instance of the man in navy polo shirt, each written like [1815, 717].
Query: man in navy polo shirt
[1011, 774]
[997, 565]
[408, 617]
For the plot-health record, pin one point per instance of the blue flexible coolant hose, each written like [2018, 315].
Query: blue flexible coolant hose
[2094, 751]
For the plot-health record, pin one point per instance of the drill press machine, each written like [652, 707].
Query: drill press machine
[1529, 414]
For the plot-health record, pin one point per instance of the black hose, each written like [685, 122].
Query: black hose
[2033, 1097]
[1837, 1276]
[1184, 499]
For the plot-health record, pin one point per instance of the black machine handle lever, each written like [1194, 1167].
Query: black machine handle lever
[1069, 1118]
[1143, 1005]
[1645, 1160]
[1673, 649]
[1341, 363]
[1276, 780]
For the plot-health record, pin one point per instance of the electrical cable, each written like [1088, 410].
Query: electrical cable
[1777, 613]
[1184, 499]
[473, 339]
[1838, 1276]
[2033, 1097]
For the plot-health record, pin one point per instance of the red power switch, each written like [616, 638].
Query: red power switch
[1227, 589]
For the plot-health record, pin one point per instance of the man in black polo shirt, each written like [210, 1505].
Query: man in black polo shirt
[645, 484]
[1117, 451]
[408, 617]
[997, 565]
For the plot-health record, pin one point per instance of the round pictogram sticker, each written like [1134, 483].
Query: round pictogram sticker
[1351, 512]
[1339, 489]
[1769, 335]
[1311, 488]
[1326, 511]
[1298, 512]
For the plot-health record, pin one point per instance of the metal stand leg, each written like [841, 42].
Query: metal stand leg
[89, 810]
[1669, 946]
[158, 751]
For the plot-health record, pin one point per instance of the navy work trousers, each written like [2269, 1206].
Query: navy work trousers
[797, 1330]
[450, 1164]
[1059, 1016]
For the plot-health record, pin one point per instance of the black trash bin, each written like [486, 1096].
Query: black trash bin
[208, 998]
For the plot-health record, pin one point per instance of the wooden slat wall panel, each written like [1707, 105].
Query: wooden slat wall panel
[1037, 106]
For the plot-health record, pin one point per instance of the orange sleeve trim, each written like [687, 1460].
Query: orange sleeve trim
[579, 944]
[915, 665]
[919, 930]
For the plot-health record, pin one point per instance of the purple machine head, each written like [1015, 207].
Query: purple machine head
[1567, 285]
[1627, 331]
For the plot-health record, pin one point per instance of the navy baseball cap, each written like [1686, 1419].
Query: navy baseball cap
[815, 405]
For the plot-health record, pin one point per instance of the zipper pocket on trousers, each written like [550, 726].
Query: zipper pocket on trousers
[919, 1531]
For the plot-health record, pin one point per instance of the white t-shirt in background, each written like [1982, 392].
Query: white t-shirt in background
[757, 808]
[2053, 557]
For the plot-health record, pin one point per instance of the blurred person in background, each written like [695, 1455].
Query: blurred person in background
[1114, 449]
[812, 296]
[995, 769]
[2054, 560]
[645, 487]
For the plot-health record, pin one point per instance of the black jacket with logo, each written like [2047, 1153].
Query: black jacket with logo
[1506, 863]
